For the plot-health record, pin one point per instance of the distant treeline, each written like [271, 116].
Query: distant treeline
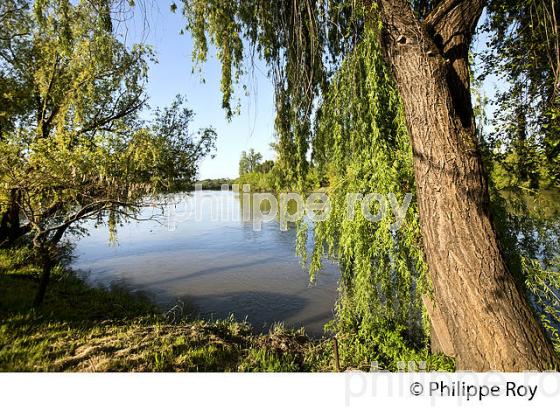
[215, 184]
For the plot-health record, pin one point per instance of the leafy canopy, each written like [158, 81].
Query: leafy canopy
[336, 100]
[76, 147]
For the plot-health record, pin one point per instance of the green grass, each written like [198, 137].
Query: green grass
[80, 328]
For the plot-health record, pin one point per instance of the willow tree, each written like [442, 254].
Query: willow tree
[478, 313]
[74, 147]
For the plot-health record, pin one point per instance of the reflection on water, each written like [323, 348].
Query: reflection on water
[218, 266]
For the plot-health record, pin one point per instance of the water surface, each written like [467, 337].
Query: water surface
[202, 254]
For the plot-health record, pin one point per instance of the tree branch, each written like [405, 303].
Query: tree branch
[446, 31]
[452, 17]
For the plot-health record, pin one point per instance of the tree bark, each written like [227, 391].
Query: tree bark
[43, 282]
[49, 252]
[478, 314]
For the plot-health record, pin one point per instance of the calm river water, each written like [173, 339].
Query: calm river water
[203, 255]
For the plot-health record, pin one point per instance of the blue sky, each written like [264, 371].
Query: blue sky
[173, 75]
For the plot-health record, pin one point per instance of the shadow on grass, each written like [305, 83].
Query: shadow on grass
[69, 299]
[80, 328]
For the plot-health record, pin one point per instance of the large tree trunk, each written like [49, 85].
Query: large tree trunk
[478, 314]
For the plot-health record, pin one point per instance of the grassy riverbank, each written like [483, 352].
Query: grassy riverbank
[80, 328]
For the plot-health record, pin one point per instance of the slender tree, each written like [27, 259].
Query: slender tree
[243, 164]
[253, 159]
[249, 161]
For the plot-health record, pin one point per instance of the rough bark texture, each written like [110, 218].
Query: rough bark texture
[478, 314]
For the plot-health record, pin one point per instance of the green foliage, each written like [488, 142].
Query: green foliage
[258, 181]
[301, 42]
[518, 152]
[523, 52]
[265, 166]
[249, 162]
[528, 226]
[332, 91]
[328, 71]
[387, 347]
[215, 184]
[260, 176]
[177, 152]
[77, 148]
[20, 259]
[362, 136]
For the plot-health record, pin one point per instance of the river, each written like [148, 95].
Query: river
[203, 256]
